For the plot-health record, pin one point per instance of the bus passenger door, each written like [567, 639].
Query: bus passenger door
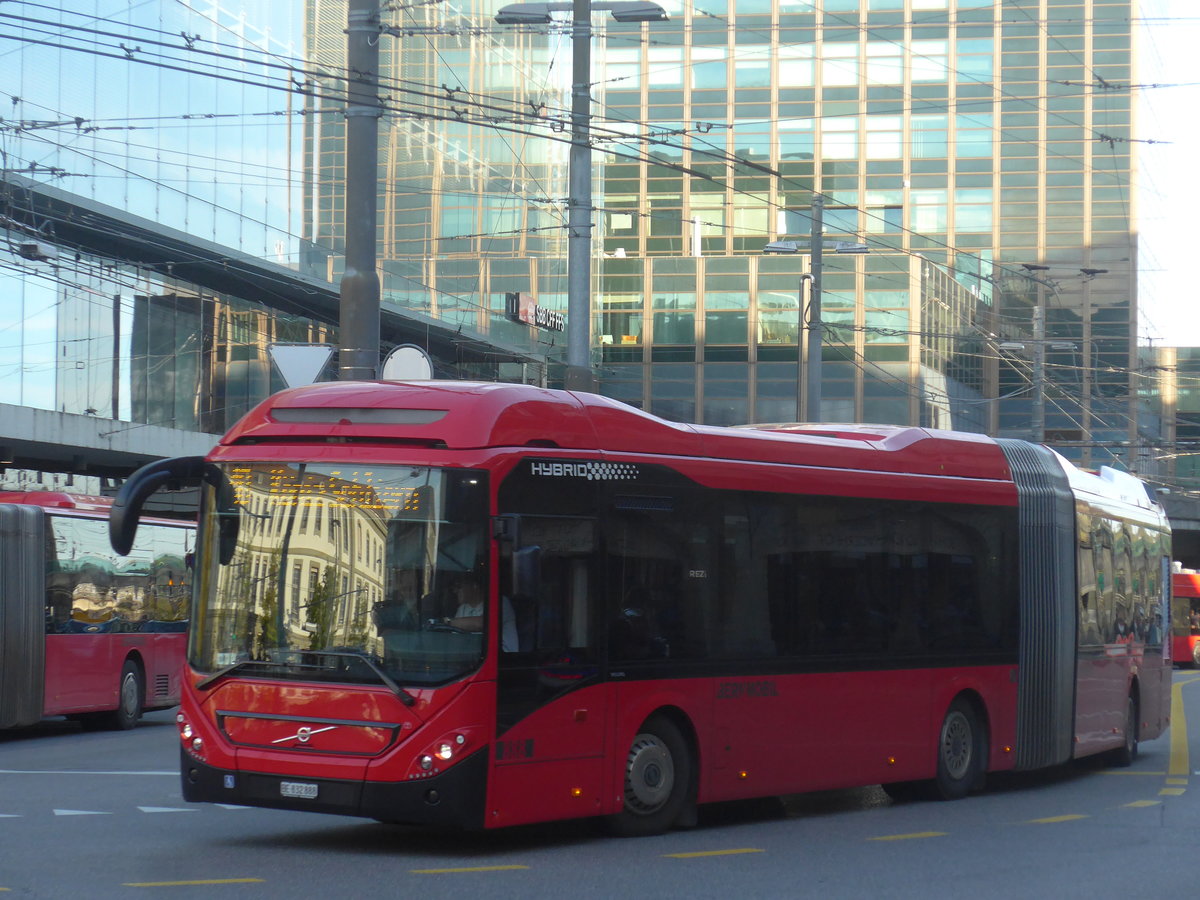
[551, 706]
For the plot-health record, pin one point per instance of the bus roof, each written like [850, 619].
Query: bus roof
[58, 500]
[467, 415]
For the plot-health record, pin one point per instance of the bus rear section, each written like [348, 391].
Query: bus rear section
[1185, 616]
[86, 633]
[488, 605]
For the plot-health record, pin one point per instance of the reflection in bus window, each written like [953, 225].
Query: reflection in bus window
[89, 589]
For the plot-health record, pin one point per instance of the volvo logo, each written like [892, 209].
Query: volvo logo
[303, 734]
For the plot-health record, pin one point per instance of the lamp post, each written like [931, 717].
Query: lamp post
[579, 177]
[811, 410]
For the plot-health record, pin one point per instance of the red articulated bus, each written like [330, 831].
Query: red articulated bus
[488, 604]
[83, 632]
[1185, 617]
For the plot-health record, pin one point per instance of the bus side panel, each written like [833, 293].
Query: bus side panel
[83, 671]
[81, 674]
[22, 614]
[551, 763]
[820, 731]
[164, 669]
[842, 729]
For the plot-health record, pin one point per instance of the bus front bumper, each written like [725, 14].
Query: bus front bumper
[454, 798]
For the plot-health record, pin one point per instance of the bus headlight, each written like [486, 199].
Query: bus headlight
[191, 742]
[440, 754]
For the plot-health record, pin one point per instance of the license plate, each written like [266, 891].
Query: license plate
[298, 790]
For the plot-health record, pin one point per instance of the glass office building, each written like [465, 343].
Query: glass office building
[980, 149]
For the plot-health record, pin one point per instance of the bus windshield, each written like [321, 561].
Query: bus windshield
[347, 573]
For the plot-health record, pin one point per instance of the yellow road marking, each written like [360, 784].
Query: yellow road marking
[1172, 792]
[1050, 820]
[466, 869]
[909, 837]
[699, 853]
[1138, 804]
[1179, 740]
[186, 883]
[1177, 781]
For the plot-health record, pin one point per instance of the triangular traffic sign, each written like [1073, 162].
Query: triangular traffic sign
[300, 364]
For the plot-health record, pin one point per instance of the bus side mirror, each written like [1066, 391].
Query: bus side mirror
[526, 571]
[127, 507]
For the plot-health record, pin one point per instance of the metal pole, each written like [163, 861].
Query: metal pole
[1038, 417]
[801, 382]
[579, 204]
[359, 319]
[812, 412]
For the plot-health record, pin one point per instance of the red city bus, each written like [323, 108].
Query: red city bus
[1185, 616]
[488, 604]
[83, 632]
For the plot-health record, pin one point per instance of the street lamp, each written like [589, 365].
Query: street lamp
[812, 412]
[579, 178]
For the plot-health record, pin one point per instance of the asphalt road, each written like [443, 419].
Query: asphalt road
[99, 815]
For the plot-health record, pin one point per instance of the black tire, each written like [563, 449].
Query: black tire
[1124, 755]
[961, 752]
[658, 778]
[130, 691]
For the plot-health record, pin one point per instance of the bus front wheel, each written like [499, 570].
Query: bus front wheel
[658, 774]
[961, 752]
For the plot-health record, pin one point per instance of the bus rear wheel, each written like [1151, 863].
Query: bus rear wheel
[962, 753]
[658, 776]
[129, 698]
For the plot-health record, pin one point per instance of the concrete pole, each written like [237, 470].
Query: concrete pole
[358, 358]
[812, 411]
[579, 204]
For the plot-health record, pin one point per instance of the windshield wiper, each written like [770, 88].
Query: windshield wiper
[405, 697]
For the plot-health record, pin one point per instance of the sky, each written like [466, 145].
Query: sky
[1169, 172]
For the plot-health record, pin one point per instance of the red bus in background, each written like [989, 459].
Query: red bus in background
[1185, 616]
[489, 604]
[83, 632]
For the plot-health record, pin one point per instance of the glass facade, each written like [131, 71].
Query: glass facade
[981, 149]
[118, 342]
